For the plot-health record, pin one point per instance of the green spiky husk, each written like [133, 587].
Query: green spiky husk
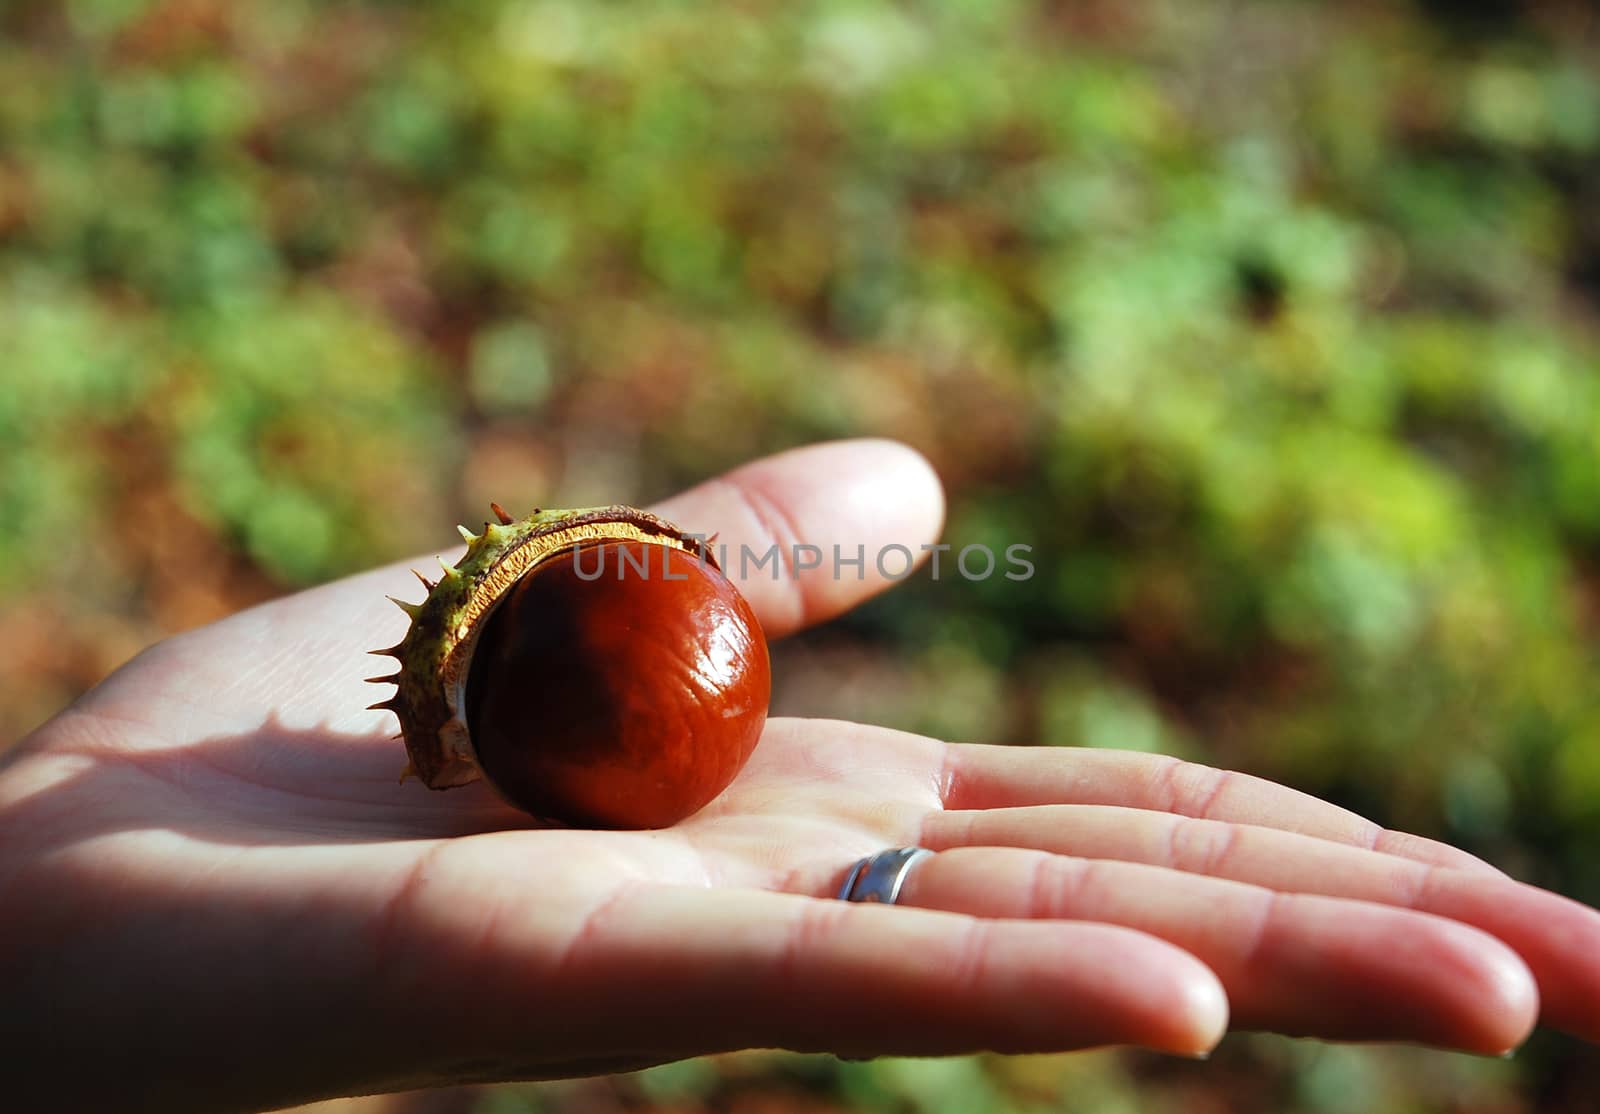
[435, 655]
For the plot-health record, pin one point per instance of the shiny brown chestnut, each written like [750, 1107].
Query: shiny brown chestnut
[629, 700]
[596, 667]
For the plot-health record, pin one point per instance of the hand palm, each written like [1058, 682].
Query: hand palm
[220, 828]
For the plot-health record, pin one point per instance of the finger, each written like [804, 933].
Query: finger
[1293, 963]
[850, 498]
[1558, 938]
[983, 777]
[680, 970]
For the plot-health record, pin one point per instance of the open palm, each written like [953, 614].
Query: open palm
[216, 892]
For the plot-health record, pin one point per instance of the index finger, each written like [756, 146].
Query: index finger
[978, 776]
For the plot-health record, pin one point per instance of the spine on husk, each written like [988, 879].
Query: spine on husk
[436, 654]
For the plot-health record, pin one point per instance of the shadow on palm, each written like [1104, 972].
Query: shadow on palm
[815, 792]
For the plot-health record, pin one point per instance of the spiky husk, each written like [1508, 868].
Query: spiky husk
[436, 653]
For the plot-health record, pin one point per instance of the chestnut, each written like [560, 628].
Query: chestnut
[594, 666]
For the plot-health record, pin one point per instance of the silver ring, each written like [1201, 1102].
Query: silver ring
[879, 877]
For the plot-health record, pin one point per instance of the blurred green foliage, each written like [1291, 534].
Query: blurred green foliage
[1272, 326]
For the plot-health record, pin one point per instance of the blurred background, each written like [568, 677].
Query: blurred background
[1274, 327]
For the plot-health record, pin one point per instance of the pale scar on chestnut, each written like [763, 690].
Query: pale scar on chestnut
[594, 666]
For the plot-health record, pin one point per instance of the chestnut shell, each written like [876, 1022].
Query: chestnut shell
[621, 685]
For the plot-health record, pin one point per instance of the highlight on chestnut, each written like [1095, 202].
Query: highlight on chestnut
[594, 666]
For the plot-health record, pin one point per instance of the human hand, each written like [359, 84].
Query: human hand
[214, 894]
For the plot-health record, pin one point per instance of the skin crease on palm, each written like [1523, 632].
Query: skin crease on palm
[215, 894]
